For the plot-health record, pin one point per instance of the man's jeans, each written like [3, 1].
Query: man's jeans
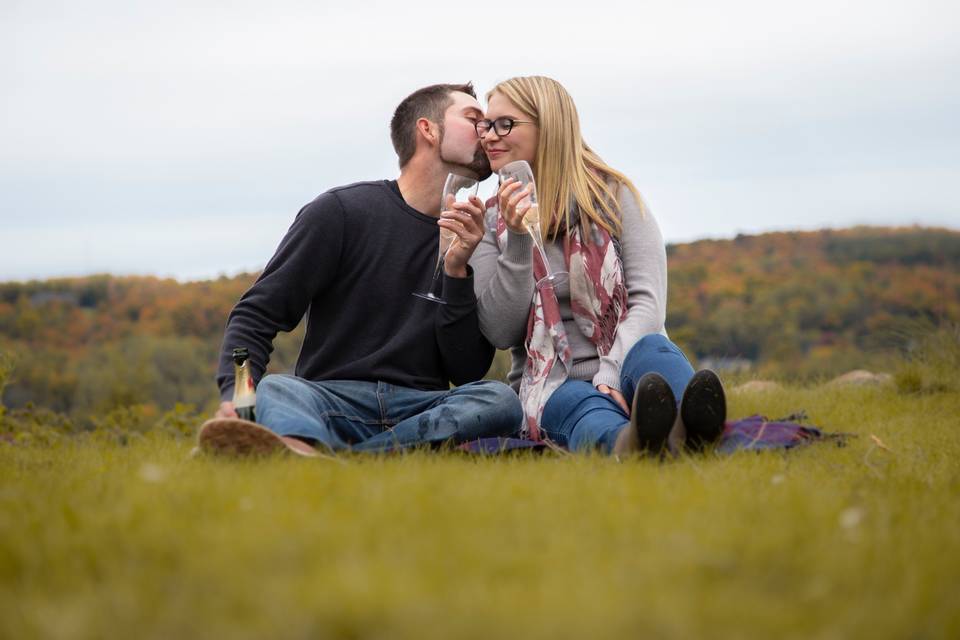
[581, 418]
[375, 416]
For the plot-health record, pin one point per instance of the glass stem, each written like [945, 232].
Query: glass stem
[436, 274]
[534, 232]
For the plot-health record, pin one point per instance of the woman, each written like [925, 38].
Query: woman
[591, 356]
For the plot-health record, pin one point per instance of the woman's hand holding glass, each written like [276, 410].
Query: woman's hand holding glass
[513, 202]
[529, 211]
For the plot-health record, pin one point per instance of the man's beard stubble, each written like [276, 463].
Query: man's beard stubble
[479, 166]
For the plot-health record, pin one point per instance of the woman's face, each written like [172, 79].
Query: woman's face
[519, 144]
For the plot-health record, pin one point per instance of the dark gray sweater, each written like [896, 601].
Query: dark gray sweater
[351, 262]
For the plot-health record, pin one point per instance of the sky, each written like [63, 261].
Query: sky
[180, 138]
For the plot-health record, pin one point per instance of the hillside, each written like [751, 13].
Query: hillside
[816, 302]
[784, 304]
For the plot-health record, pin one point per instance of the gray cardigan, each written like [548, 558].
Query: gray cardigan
[504, 286]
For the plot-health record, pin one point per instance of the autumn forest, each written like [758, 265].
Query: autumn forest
[792, 305]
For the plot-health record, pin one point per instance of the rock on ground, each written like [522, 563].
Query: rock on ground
[859, 377]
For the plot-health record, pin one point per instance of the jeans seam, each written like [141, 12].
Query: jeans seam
[381, 388]
[351, 418]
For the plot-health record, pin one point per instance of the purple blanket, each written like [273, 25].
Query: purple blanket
[754, 433]
[757, 433]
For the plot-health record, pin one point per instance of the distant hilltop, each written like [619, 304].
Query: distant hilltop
[815, 302]
[905, 245]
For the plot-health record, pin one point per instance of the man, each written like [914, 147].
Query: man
[376, 364]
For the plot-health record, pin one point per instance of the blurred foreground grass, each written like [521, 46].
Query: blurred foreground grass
[99, 539]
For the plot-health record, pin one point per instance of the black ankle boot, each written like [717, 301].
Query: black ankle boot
[652, 415]
[703, 409]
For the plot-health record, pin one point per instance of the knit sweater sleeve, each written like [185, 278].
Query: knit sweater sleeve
[466, 354]
[504, 286]
[645, 272]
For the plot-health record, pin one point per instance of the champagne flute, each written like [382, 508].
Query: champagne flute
[456, 189]
[522, 173]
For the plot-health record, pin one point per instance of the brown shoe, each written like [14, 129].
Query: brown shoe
[652, 416]
[233, 437]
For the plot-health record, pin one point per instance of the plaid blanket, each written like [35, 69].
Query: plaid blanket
[753, 433]
[757, 433]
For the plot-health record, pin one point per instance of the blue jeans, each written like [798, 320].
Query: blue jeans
[375, 416]
[581, 418]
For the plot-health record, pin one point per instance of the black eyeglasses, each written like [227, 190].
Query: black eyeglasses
[502, 126]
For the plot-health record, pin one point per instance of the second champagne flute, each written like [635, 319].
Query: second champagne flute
[457, 188]
[522, 173]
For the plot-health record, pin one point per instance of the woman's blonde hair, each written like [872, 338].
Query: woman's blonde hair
[568, 172]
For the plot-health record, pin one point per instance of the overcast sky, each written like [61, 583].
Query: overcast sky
[180, 138]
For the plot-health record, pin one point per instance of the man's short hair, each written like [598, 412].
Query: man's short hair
[430, 103]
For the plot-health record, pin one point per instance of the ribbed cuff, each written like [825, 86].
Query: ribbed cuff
[519, 247]
[584, 370]
[609, 374]
[459, 290]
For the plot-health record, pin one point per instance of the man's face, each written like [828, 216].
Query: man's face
[459, 145]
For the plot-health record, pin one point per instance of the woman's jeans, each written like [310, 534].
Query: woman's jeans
[581, 418]
[376, 416]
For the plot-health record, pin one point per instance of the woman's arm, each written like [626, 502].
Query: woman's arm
[504, 285]
[645, 273]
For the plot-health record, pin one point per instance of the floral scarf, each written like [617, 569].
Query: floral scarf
[598, 299]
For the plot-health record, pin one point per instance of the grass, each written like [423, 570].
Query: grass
[103, 540]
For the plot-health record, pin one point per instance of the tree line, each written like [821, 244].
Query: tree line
[791, 304]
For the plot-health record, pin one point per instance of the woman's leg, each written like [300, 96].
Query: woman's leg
[579, 417]
[655, 353]
[700, 396]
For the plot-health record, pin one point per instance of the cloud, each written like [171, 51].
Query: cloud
[729, 116]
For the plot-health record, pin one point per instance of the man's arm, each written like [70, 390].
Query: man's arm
[304, 263]
[466, 354]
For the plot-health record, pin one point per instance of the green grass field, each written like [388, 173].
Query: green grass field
[103, 540]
